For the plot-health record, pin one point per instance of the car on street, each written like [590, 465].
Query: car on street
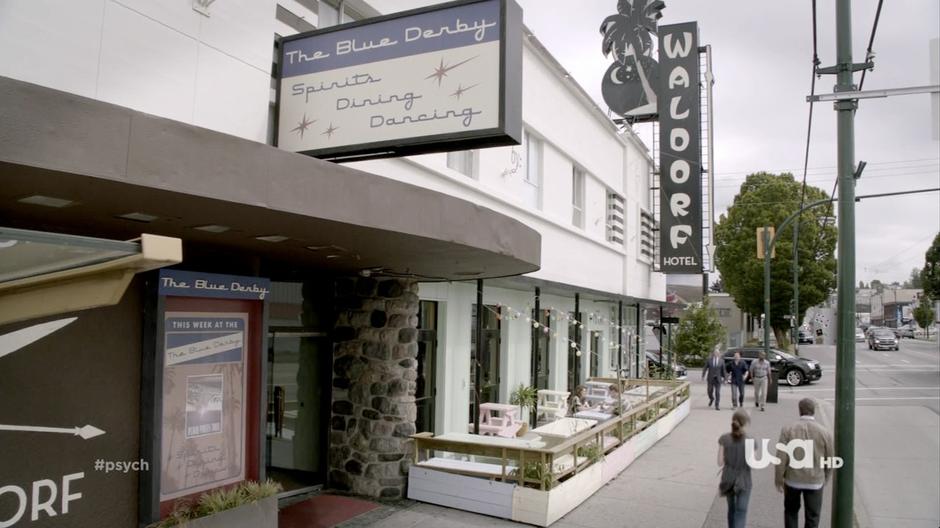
[859, 335]
[904, 331]
[805, 336]
[793, 370]
[653, 364]
[882, 339]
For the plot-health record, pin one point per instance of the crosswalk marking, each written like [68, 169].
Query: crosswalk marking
[796, 389]
[893, 398]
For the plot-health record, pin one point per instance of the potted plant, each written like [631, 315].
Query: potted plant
[525, 397]
[247, 505]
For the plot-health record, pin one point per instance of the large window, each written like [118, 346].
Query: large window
[577, 197]
[461, 161]
[647, 242]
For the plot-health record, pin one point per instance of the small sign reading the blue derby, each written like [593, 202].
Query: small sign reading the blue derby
[197, 284]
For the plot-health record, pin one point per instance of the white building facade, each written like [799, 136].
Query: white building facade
[584, 185]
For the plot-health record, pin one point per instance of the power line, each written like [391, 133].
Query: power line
[869, 55]
[809, 132]
[731, 183]
[835, 199]
[933, 161]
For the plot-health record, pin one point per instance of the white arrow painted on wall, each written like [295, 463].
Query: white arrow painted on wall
[86, 432]
[14, 341]
[18, 339]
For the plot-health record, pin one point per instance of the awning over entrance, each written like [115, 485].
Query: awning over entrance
[81, 166]
[44, 274]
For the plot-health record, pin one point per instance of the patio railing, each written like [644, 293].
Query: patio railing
[546, 464]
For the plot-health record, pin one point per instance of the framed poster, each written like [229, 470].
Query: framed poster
[204, 401]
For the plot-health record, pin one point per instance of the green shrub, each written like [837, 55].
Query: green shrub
[592, 452]
[219, 500]
[535, 471]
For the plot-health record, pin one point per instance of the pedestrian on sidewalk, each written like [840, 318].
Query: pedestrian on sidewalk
[804, 482]
[735, 484]
[760, 369]
[714, 370]
[737, 370]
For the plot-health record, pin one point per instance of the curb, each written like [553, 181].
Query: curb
[862, 519]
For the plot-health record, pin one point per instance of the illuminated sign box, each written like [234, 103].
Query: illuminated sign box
[429, 80]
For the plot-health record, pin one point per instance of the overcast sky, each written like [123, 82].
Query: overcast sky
[762, 61]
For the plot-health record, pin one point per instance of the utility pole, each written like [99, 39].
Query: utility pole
[796, 322]
[844, 479]
[768, 251]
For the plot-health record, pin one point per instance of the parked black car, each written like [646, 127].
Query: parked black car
[653, 364]
[882, 339]
[791, 369]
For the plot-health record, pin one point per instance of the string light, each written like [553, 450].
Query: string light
[550, 313]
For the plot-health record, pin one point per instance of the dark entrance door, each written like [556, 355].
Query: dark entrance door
[426, 389]
[299, 369]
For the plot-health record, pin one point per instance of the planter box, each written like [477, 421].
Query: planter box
[262, 514]
[483, 494]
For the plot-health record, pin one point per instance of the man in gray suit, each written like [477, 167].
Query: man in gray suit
[714, 371]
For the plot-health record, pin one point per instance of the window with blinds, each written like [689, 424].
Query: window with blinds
[614, 218]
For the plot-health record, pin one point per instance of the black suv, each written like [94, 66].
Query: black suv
[791, 369]
[653, 364]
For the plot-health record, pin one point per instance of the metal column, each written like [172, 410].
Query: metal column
[638, 329]
[534, 360]
[477, 390]
[843, 484]
[577, 340]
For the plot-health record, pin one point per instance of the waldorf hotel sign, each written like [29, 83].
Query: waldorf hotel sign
[442, 78]
[680, 149]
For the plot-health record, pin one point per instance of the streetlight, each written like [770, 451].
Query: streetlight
[797, 321]
[769, 242]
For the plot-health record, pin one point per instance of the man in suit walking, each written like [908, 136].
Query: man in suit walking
[714, 371]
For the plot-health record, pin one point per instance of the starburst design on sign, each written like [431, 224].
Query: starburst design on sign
[329, 131]
[461, 89]
[441, 71]
[303, 126]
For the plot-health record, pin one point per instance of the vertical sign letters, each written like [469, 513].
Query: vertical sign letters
[680, 152]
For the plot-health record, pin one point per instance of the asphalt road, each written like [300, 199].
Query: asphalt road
[897, 429]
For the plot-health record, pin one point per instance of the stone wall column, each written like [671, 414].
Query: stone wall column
[374, 373]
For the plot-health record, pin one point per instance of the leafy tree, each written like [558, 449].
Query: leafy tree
[914, 280]
[768, 199]
[924, 314]
[930, 274]
[861, 285]
[698, 332]
[878, 286]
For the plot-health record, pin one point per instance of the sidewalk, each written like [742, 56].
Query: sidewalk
[673, 485]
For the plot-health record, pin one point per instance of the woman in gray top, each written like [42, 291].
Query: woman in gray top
[735, 482]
